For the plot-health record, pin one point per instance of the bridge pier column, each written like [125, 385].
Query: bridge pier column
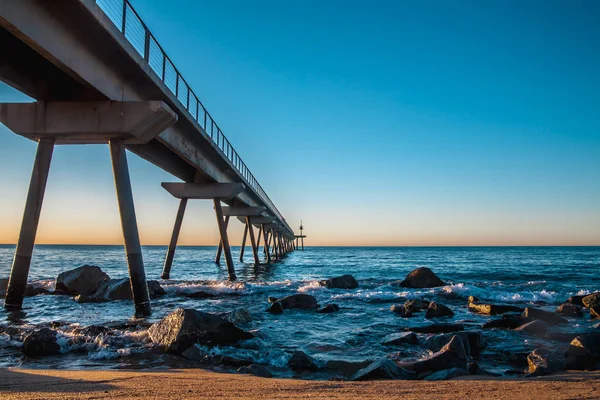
[275, 247]
[220, 248]
[252, 240]
[224, 239]
[258, 238]
[133, 249]
[266, 245]
[31, 216]
[166, 273]
[243, 243]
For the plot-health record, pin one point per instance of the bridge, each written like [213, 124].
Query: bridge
[99, 76]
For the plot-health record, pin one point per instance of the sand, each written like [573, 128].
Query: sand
[200, 384]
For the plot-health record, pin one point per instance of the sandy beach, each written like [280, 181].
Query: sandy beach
[200, 384]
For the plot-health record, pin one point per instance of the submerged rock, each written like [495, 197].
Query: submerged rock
[535, 327]
[569, 310]
[199, 294]
[576, 300]
[183, 327]
[301, 301]
[41, 343]
[256, 370]
[506, 322]
[84, 280]
[401, 311]
[341, 282]
[382, 369]
[437, 328]
[472, 341]
[543, 362]
[276, 308]
[436, 310]
[490, 309]
[120, 289]
[329, 308]
[239, 316]
[550, 318]
[399, 338]
[452, 355]
[447, 374]
[300, 361]
[416, 305]
[422, 278]
[591, 300]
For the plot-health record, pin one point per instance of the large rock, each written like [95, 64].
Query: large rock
[346, 368]
[585, 345]
[591, 300]
[535, 327]
[569, 310]
[437, 328]
[595, 311]
[120, 289]
[576, 300]
[452, 355]
[301, 301]
[490, 309]
[256, 370]
[300, 361]
[400, 338]
[341, 282]
[196, 353]
[550, 318]
[41, 343]
[436, 310]
[472, 341]
[544, 362]
[329, 308]
[401, 311]
[84, 280]
[416, 305]
[447, 374]
[382, 369]
[506, 322]
[422, 278]
[240, 316]
[183, 327]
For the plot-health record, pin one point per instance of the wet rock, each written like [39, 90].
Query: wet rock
[120, 289]
[200, 294]
[301, 301]
[341, 282]
[416, 305]
[576, 300]
[476, 369]
[516, 357]
[83, 280]
[346, 368]
[276, 308]
[240, 316]
[41, 343]
[544, 362]
[401, 311]
[400, 338]
[569, 310]
[596, 325]
[155, 289]
[437, 328]
[584, 352]
[92, 330]
[256, 370]
[490, 309]
[446, 374]
[595, 311]
[382, 369]
[472, 341]
[272, 299]
[536, 327]
[183, 327]
[422, 278]
[233, 361]
[506, 322]
[452, 355]
[561, 336]
[591, 300]
[81, 298]
[550, 318]
[329, 308]
[31, 290]
[195, 353]
[300, 361]
[436, 310]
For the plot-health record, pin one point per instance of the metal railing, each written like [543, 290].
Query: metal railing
[127, 20]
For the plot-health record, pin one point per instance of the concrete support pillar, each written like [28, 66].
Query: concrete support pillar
[220, 248]
[243, 243]
[302, 243]
[33, 207]
[258, 238]
[266, 246]
[252, 241]
[275, 247]
[166, 274]
[224, 239]
[133, 249]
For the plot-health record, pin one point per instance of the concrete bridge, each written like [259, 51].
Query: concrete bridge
[99, 76]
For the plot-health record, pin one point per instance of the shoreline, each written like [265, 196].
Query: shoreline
[198, 383]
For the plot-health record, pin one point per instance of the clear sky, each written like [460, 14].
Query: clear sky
[376, 122]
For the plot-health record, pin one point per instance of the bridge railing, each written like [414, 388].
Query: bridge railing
[127, 20]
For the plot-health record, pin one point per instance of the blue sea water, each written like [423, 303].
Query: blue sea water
[540, 276]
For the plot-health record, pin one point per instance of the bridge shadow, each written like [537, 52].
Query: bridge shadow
[30, 382]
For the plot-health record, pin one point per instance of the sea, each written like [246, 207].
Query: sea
[543, 277]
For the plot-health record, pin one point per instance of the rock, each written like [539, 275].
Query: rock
[329, 308]
[569, 310]
[452, 355]
[576, 300]
[83, 280]
[401, 311]
[476, 369]
[382, 369]
[272, 299]
[416, 305]
[80, 298]
[41, 343]
[276, 308]
[550, 318]
[301, 301]
[437, 328]
[472, 341]
[200, 294]
[183, 327]
[490, 309]
[399, 338]
[155, 289]
[300, 361]
[422, 278]
[436, 310]
[31, 290]
[195, 353]
[446, 374]
[347, 368]
[561, 336]
[585, 345]
[120, 289]
[595, 311]
[232, 361]
[240, 316]
[256, 370]
[591, 300]
[535, 327]
[92, 330]
[341, 282]
[544, 362]
[506, 322]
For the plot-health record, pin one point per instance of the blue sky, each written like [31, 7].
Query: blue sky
[381, 122]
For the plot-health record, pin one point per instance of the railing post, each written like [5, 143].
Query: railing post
[124, 21]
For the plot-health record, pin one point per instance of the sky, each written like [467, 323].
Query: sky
[379, 122]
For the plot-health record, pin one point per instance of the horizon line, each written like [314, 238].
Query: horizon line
[390, 246]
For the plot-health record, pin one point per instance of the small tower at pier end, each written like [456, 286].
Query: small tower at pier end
[301, 236]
